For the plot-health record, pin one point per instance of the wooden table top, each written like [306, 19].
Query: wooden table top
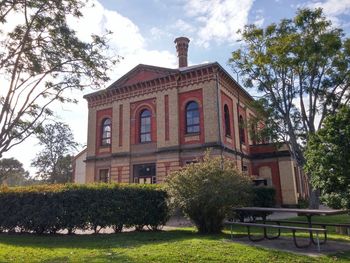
[292, 210]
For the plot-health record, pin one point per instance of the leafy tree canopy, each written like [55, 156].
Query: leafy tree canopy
[54, 163]
[12, 172]
[328, 159]
[300, 68]
[41, 58]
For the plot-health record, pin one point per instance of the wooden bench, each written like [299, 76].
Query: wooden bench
[313, 223]
[294, 229]
[324, 225]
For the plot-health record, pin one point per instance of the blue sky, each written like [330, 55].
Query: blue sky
[144, 32]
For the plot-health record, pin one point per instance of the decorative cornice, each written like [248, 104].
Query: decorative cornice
[175, 79]
[187, 148]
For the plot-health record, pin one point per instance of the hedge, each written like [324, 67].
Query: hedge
[51, 208]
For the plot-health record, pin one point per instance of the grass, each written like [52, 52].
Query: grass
[180, 245]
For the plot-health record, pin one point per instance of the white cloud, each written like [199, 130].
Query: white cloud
[126, 38]
[127, 41]
[332, 8]
[218, 20]
[259, 17]
[183, 26]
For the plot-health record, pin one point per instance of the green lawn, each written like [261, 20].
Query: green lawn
[182, 245]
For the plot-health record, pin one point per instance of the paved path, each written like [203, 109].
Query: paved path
[286, 244]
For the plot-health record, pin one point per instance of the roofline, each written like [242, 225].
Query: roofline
[79, 154]
[130, 71]
[178, 70]
[239, 85]
[138, 66]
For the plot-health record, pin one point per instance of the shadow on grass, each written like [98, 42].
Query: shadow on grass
[102, 241]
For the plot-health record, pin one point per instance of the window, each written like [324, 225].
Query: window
[227, 121]
[145, 173]
[145, 126]
[241, 129]
[104, 175]
[192, 117]
[106, 132]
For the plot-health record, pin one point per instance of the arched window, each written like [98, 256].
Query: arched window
[106, 131]
[241, 129]
[145, 126]
[227, 121]
[192, 117]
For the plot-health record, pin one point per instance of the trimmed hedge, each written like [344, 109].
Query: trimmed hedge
[264, 196]
[50, 208]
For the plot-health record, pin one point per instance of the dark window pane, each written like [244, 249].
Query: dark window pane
[145, 126]
[106, 132]
[104, 175]
[192, 117]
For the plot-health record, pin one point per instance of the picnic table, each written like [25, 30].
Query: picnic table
[308, 213]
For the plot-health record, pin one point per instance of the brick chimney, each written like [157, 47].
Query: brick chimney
[182, 48]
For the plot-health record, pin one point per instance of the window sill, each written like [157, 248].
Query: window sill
[145, 142]
[192, 134]
[105, 146]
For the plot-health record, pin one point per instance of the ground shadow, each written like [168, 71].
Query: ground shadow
[95, 241]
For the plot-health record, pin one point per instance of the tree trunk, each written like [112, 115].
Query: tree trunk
[314, 198]
[314, 194]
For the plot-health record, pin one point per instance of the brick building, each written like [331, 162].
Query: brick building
[154, 120]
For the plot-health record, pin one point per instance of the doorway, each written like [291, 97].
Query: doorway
[145, 173]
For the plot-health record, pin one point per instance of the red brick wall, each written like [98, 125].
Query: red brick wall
[120, 125]
[135, 110]
[100, 116]
[143, 75]
[184, 98]
[275, 177]
[166, 105]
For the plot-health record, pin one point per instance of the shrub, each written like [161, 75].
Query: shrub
[303, 202]
[50, 208]
[206, 191]
[263, 196]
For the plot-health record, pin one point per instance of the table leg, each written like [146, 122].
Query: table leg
[265, 230]
[264, 222]
[311, 234]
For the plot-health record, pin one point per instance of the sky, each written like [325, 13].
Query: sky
[144, 32]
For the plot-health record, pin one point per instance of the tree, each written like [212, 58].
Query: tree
[54, 164]
[12, 172]
[300, 68]
[41, 59]
[208, 190]
[328, 159]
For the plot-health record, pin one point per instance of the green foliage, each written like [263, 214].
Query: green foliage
[50, 208]
[262, 196]
[206, 191]
[53, 163]
[301, 68]
[42, 60]
[170, 246]
[328, 160]
[12, 172]
[303, 203]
